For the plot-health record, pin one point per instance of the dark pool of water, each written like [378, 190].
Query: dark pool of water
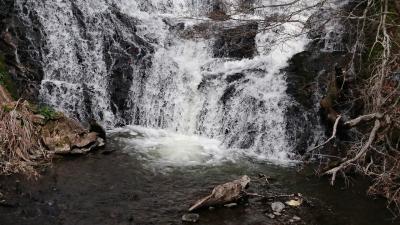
[119, 189]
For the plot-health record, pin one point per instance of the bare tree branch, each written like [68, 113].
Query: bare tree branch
[361, 153]
[363, 118]
[331, 138]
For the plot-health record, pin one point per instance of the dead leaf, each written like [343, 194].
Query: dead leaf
[294, 202]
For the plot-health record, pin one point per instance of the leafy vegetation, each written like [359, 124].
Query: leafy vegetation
[48, 112]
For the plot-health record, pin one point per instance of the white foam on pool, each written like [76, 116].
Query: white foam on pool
[164, 148]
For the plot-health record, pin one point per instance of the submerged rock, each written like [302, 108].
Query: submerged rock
[296, 218]
[270, 215]
[191, 217]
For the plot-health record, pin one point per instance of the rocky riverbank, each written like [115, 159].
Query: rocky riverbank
[31, 136]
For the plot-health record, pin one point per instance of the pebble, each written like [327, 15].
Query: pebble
[270, 215]
[296, 218]
[191, 217]
[277, 207]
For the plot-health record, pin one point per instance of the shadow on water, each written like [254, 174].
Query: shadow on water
[120, 188]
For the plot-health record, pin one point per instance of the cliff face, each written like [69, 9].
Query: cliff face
[30, 135]
[24, 45]
[20, 51]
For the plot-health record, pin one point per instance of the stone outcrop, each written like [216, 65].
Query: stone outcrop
[31, 135]
[57, 133]
[237, 42]
[65, 136]
[231, 40]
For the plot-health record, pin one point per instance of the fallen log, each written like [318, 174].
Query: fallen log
[224, 194]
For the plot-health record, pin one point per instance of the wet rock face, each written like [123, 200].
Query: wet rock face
[125, 58]
[238, 42]
[21, 38]
[25, 43]
[307, 76]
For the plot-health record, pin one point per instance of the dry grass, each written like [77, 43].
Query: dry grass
[20, 147]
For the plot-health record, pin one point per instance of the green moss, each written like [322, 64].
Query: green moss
[5, 79]
[48, 113]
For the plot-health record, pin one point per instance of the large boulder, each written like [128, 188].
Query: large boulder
[66, 136]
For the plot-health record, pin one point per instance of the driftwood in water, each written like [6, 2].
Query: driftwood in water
[224, 193]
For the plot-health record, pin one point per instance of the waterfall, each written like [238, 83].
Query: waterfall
[178, 65]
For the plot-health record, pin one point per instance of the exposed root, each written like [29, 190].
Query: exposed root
[360, 154]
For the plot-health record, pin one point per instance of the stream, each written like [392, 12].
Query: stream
[153, 181]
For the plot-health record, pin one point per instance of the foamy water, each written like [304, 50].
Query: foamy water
[161, 148]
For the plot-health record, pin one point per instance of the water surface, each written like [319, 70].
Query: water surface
[140, 183]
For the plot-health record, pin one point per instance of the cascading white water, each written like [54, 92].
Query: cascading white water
[184, 87]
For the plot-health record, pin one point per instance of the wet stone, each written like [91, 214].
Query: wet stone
[191, 217]
[277, 207]
[270, 215]
[296, 218]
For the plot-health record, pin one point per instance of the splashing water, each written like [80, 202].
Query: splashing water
[161, 147]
